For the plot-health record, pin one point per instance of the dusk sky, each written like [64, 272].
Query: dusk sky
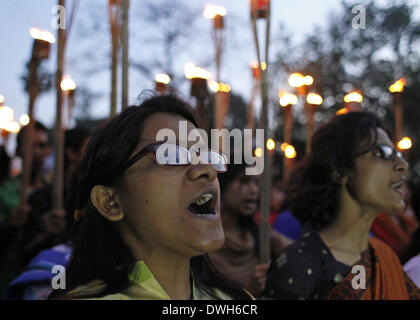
[18, 16]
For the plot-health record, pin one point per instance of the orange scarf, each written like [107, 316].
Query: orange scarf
[385, 278]
[389, 280]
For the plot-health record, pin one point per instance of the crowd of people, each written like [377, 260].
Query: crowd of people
[136, 227]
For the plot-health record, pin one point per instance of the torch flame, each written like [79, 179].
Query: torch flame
[24, 119]
[192, 71]
[271, 144]
[67, 84]
[6, 116]
[42, 35]
[219, 86]
[12, 127]
[398, 86]
[254, 65]
[210, 11]
[296, 80]
[342, 111]
[162, 78]
[287, 99]
[314, 99]
[308, 80]
[290, 152]
[405, 143]
[353, 97]
[258, 152]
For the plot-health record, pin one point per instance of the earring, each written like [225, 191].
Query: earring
[337, 176]
[111, 202]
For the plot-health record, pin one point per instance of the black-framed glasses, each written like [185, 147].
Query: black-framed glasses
[169, 154]
[384, 152]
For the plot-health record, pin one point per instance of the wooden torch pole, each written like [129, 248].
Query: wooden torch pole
[114, 16]
[125, 55]
[266, 179]
[59, 130]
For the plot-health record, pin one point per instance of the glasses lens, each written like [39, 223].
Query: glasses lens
[218, 160]
[387, 152]
[172, 154]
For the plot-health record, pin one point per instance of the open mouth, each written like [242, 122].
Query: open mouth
[251, 203]
[205, 205]
[399, 186]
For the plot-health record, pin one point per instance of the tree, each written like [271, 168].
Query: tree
[84, 100]
[168, 25]
[342, 58]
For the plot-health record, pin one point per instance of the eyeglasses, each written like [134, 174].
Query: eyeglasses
[168, 154]
[387, 153]
[384, 152]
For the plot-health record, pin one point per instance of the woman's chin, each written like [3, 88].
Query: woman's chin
[400, 206]
[396, 207]
[210, 245]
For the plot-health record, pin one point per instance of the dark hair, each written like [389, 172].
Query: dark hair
[4, 165]
[99, 250]
[20, 136]
[313, 192]
[75, 137]
[232, 173]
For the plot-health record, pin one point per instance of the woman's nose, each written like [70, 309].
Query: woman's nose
[401, 164]
[253, 187]
[202, 171]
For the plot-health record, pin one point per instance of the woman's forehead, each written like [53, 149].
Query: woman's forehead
[379, 136]
[383, 137]
[173, 122]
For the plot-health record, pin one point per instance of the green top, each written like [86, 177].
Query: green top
[145, 287]
[9, 197]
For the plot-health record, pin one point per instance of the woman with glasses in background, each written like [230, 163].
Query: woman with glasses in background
[147, 215]
[352, 173]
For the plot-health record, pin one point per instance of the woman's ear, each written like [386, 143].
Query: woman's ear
[106, 202]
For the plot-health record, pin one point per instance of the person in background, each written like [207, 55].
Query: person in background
[238, 259]
[46, 227]
[10, 218]
[276, 201]
[41, 150]
[76, 140]
[411, 256]
[14, 216]
[34, 283]
[351, 174]
[9, 197]
[285, 223]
